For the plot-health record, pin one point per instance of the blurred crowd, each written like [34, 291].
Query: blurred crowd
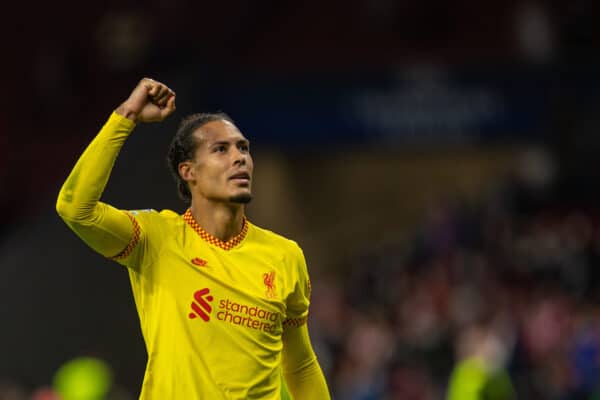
[483, 300]
[494, 300]
[88, 62]
[488, 300]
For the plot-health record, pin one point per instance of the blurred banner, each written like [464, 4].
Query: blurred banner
[428, 105]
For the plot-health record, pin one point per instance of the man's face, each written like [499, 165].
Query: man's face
[222, 165]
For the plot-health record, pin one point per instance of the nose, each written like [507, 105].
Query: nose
[240, 158]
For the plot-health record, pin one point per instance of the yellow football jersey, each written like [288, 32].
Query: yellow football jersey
[206, 305]
[212, 313]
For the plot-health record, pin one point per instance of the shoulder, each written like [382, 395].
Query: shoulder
[276, 241]
[154, 217]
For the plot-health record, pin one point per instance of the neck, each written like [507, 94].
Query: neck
[223, 221]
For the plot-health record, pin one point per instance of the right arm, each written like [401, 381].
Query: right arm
[104, 228]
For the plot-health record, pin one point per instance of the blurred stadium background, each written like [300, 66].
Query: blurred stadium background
[437, 160]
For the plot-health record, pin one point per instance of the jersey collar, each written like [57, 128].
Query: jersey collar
[228, 245]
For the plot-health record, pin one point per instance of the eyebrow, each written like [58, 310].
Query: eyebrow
[225, 142]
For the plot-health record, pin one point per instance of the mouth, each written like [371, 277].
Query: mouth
[240, 177]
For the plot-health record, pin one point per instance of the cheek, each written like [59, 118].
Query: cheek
[209, 173]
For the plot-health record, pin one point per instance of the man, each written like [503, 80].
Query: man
[222, 303]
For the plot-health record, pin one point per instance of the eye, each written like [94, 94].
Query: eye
[244, 148]
[220, 149]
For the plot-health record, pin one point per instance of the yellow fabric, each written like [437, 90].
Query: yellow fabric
[467, 380]
[212, 319]
[300, 367]
[102, 227]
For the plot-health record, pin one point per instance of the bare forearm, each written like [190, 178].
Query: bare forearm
[127, 111]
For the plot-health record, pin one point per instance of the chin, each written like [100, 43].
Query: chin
[241, 198]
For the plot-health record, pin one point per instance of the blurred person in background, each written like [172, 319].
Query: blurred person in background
[480, 371]
[223, 304]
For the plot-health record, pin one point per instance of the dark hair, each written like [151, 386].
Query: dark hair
[183, 146]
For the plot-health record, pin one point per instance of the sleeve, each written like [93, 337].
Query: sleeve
[111, 232]
[142, 248]
[298, 301]
[301, 370]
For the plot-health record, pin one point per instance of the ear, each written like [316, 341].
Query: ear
[186, 171]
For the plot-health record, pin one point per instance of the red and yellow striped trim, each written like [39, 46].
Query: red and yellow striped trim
[133, 242]
[228, 245]
[294, 322]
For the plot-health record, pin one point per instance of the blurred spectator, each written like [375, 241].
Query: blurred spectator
[492, 300]
[505, 291]
[45, 393]
[480, 372]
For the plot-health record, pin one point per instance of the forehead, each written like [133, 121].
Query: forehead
[218, 131]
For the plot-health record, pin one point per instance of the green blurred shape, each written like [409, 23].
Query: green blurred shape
[499, 387]
[83, 378]
[470, 380]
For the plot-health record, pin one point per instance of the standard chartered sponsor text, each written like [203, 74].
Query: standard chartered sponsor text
[244, 315]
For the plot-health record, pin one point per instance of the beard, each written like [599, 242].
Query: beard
[243, 198]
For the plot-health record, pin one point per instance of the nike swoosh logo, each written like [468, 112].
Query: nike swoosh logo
[199, 262]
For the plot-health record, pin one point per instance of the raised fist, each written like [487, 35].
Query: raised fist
[150, 101]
